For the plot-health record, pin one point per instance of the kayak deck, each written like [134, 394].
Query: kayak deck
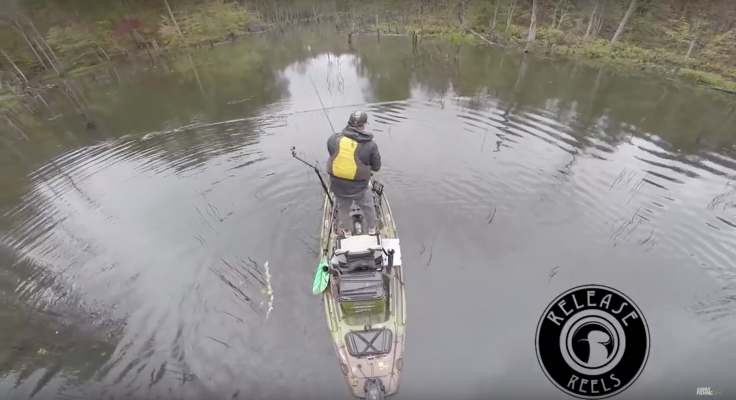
[368, 335]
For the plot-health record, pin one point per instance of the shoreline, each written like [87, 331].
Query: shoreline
[574, 51]
[46, 81]
[593, 52]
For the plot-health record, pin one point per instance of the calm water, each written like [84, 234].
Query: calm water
[133, 255]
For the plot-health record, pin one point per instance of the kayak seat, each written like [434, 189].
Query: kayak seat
[363, 261]
[359, 253]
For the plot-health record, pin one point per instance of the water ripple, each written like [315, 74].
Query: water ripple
[202, 237]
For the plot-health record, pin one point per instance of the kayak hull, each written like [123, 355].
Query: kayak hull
[387, 327]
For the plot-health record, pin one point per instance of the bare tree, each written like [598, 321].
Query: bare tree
[18, 69]
[685, 6]
[462, 15]
[9, 16]
[495, 14]
[421, 17]
[30, 23]
[695, 28]
[595, 23]
[510, 16]
[622, 25]
[532, 27]
[557, 21]
[176, 24]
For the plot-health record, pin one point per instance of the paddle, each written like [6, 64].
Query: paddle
[321, 277]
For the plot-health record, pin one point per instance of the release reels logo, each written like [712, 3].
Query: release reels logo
[592, 342]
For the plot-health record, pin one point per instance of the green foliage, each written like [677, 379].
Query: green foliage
[8, 100]
[680, 33]
[204, 22]
[17, 50]
[658, 36]
[481, 14]
[70, 42]
[721, 46]
[515, 31]
[460, 38]
[550, 34]
[705, 78]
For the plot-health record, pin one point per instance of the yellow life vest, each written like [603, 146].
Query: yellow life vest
[345, 164]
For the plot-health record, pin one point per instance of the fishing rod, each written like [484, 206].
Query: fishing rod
[324, 109]
[324, 268]
[316, 171]
[293, 149]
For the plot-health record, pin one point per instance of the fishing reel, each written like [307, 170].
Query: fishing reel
[378, 187]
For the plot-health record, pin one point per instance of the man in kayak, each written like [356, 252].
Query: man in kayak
[353, 155]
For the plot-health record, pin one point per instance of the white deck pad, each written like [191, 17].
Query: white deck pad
[358, 243]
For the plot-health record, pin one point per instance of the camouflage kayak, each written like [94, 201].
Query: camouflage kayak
[364, 300]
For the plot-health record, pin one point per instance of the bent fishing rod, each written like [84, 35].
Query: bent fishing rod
[324, 187]
[316, 171]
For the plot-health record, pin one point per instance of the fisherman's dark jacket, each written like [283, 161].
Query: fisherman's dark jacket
[353, 155]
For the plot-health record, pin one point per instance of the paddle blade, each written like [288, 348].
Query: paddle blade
[321, 277]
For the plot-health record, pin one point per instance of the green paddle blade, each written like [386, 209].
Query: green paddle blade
[321, 277]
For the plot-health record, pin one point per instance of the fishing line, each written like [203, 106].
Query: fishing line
[322, 104]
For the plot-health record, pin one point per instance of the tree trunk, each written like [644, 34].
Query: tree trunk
[510, 17]
[599, 20]
[30, 45]
[692, 46]
[622, 25]
[16, 128]
[522, 72]
[14, 66]
[47, 57]
[352, 24]
[592, 22]
[375, 8]
[597, 85]
[421, 18]
[683, 14]
[33, 26]
[171, 14]
[196, 75]
[562, 15]
[495, 14]
[102, 50]
[463, 16]
[532, 27]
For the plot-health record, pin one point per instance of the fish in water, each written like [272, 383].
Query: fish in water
[268, 290]
[88, 122]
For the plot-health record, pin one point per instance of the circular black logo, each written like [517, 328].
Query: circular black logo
[592, 342]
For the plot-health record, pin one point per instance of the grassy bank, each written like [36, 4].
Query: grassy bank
[625, 56]
[57, 38]
[695, 41]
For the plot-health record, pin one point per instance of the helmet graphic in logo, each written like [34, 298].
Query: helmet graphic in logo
[592, 342]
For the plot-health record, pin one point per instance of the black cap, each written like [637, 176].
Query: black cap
[358, 118]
